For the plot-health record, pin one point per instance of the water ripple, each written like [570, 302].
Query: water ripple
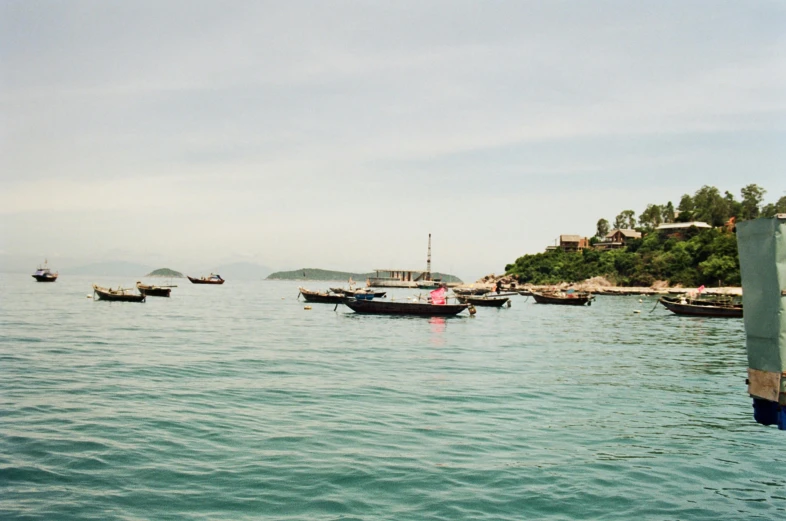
[231, 403]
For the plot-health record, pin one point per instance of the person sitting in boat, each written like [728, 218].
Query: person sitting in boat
[498, 286]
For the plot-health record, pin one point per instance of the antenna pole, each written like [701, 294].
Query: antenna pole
[428, 260]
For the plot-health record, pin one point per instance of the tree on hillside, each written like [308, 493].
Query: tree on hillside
[733, 207]
[652, 216]
[685, 208]
[625, 220]
[602, 228]
[770, 210]
[752, 196]
[668, 213]
[710, 206]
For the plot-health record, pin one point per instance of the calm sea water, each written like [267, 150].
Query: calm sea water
[233, 402]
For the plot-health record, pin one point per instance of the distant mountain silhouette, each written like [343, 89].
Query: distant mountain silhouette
[318, 274]
[237, 271]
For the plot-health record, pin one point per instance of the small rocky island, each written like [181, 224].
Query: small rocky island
[165, 272]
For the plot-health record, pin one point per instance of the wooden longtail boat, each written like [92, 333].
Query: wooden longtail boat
[117, 295]
[320, 296]
[360, 291]
[153, 291]
[577, 298]
[212, 279]
[44, 274]
[379, 307]
[702, 308]
[489, 301]
[471, 291]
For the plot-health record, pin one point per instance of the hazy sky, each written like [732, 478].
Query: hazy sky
[338, 134]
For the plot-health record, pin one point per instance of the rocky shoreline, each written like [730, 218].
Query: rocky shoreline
[597, 286]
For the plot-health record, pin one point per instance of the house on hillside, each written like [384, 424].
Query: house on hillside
[573, 242]
[616, 239]
[678, 229]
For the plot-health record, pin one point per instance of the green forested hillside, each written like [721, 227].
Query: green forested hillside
[706, 256]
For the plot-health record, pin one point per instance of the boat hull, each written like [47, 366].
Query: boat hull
[703, 310]
[45, 278]
[153, 291]
[471, 291]
[492, 302]
[205, 281]
[107, 294]
[352, 293]
[321, 298]
[377, 307]
[578, 300]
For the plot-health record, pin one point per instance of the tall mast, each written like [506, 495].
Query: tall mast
[428, 260]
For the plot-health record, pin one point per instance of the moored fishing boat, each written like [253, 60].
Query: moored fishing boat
[44, 274]
[321, 296]
[484, 301]
[565, 298]
[471, 291]
[212, 279]
[153, 291]
[351, 292]
[379, 307]
[725, 308]
[117, 295]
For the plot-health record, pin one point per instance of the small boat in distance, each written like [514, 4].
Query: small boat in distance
[153, 291]
[212, 279]
[44, 274]
[725, 308]
[565, 298]
[117, 295]
[425, 309]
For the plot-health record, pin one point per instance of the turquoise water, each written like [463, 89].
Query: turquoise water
[233, 402]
